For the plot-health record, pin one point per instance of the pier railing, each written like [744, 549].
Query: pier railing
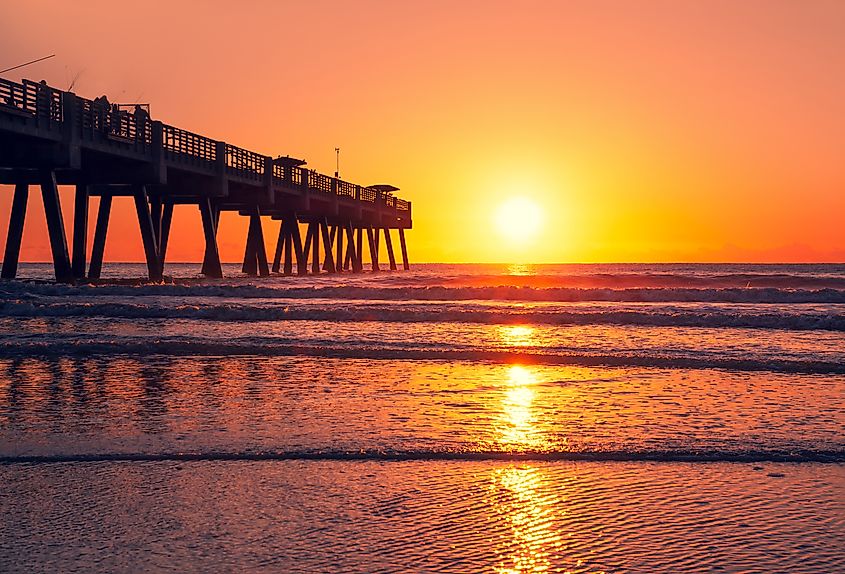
[93, 120]
[244, 163]
[39, 101]
[188, 147]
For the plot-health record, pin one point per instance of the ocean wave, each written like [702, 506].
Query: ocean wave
[622, 280]
[746, 456]
[233, 312]
[271, 347]
[29, 290]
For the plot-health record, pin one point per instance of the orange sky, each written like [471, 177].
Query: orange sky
[646, 131]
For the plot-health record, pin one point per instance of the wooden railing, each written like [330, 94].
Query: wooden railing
[37, 100]
[245, 163]
[296, 175]
[188, 147]
[45, 104]
[368, 194]
[319, 182]
[346, 189]
[279, 175]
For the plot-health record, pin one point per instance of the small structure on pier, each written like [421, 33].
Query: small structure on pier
[49, 138]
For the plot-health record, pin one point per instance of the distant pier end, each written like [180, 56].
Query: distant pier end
[49, 137]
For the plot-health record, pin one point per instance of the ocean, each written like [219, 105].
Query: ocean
[452, 418]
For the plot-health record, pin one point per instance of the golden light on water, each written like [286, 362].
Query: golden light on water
[530, 508]
[520, 269]
[517, 335]
[518, 422]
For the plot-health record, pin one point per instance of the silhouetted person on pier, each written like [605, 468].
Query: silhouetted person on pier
[101, 107]
[141, 119]
[42, 98]
[114, 119]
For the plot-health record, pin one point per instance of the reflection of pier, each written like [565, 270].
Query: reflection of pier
[50, 138]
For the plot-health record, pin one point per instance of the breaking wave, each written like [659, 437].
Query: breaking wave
[275, 347]
[434, 293]
[655, 317]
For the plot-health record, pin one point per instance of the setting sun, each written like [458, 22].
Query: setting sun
[519, 219]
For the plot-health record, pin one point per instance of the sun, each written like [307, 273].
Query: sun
[519, 220]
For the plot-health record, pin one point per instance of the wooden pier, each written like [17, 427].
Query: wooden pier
[49, 138]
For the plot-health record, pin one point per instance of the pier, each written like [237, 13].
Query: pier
[50, 137]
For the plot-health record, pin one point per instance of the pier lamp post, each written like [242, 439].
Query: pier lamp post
[337, 162]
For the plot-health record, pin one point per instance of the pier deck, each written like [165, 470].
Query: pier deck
[50, 137]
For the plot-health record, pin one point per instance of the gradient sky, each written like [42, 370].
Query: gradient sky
[645, 131]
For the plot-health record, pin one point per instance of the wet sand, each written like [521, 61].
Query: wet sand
[340, 516]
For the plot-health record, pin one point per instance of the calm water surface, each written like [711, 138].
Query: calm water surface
[592, 418]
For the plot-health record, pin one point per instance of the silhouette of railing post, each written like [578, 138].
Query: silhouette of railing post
[71, 130]
[157, 151]
[305, 183]
[222, 185]
[268, 178]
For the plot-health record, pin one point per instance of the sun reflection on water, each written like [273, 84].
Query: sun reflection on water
[530, 507]
[520, 269]
[517, 335]
[518, 429]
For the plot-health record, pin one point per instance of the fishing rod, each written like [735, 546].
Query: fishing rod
[27, 64]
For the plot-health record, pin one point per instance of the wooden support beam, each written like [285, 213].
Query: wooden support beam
[331, 247]
[100, 232]
[373, 241]
[250, 265]
[280, 243]
[211, 261]
[389, 244]
[155, 215]
[328, 244]
[148, 234]
[359, 252]
[405, 264]
[301, 254]
[166, 220]
[80, 231]
[314, 230]
[56, 227]
[258, 245]
[207, 264]
[338, 260]
[288, 246]
[15, 233]
[306, 249]
[350, 258]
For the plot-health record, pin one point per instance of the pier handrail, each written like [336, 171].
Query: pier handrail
[244, 163]
[35, 99]
[182, 144]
